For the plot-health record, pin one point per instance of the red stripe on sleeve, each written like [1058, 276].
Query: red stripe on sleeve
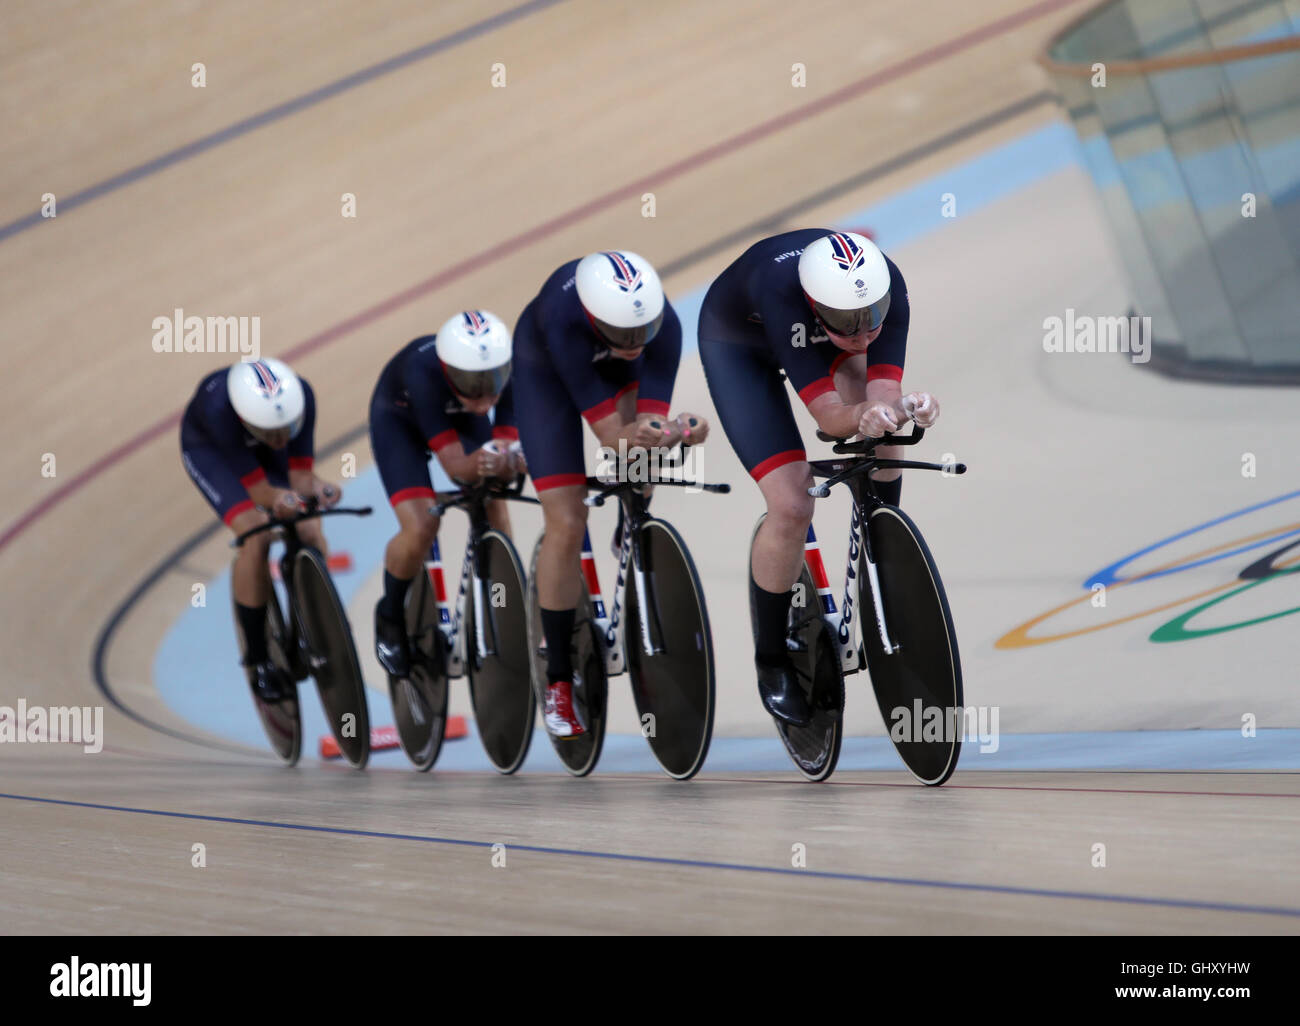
[443, 440]
[838, 362]
[885, 370]
[509, 434]
[659, 409]
[818, 388]
[301, 463]
[250, 479]
[601, 410]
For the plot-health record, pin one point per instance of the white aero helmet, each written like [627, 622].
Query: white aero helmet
[474, 348]
[267, 396]
[846, 281]
[622, 296]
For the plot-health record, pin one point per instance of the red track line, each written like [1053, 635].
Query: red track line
[579, 213]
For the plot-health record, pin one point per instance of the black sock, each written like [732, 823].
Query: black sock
[391, 606]
[771, 619]
[557, 626]
[889, 491]
[252, 621]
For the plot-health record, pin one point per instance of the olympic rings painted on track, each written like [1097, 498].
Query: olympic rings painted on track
[1176, 630]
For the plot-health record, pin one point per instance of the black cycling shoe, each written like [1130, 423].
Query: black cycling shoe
[270, 683]
[778, 686]
[391, 645]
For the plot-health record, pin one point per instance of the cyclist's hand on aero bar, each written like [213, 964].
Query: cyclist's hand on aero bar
[694, 428]
[652, 431]
[491, 461]
[327, 493]
[287, 503]
[877, 419]
[518, 465]
[922, 407]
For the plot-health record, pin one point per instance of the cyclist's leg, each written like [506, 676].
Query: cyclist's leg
[754, 408]
[229, 499]
[550, 428]
[402, 458]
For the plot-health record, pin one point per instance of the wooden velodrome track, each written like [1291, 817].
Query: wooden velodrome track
[226, 200]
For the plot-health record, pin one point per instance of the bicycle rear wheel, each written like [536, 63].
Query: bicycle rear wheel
[674, 687]
[814, 749]
[500, 680]
[579, 755]
[918, 687]
[332, 656]
[420, 699]
[282, 720]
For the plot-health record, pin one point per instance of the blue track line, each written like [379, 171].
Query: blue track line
[279, 112]
[898, 881]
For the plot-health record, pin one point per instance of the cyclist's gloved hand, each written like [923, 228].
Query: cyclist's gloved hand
[328, 494]
[490, 461]
[518, 465]
[288, 502]
[652, 431]
[922, 407]
[877, 419]
[694, 428]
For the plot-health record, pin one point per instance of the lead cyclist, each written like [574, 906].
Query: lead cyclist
[829, 312]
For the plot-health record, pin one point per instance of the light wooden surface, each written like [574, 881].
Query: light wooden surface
[600, 97]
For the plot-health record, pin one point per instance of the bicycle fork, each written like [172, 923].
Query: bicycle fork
[873, 578]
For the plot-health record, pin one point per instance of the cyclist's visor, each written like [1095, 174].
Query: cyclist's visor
[477, 384]
[849, 323]
[627, 338]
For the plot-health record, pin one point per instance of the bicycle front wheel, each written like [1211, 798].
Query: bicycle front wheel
[500, 677]
[673, 686]
[918, 686]
[332, 656]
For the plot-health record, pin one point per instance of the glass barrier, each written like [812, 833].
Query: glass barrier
[1188, 112]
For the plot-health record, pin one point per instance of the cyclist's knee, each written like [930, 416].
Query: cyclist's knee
[792, 507]
[566, 520]
[259, 544]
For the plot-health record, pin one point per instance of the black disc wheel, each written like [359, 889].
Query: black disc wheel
[331, 656]
[496, 654]
[918, 686]
[673, 685]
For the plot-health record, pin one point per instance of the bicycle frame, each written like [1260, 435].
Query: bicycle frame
[854, 473]
[612, 626]
[451, 618]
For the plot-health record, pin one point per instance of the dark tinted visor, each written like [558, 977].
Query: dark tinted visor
[477, 384]
[853, 322]
[629, 338]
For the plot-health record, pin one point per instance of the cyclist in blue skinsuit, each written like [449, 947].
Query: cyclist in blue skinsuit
[599, 343]
[434, 396]
[828, 312]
